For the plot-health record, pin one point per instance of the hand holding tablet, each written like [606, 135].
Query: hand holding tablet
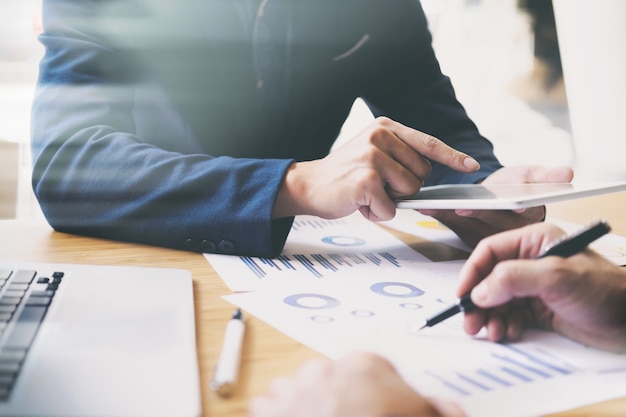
[503, 196]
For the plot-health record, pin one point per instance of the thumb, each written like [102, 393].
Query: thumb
[562, 174]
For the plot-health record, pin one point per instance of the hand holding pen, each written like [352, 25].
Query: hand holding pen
[551, 292]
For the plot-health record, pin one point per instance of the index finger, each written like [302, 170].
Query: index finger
[435, 149]
[525, 242]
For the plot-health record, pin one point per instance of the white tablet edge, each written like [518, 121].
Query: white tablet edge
[582, 190]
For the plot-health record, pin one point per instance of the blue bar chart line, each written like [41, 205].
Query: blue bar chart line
[516, 374]
[473, 382]
[270, 262]
[257, 270]
[523, 366]
[494, 378]
[324, 262]
[539, 361]
[286, 262]
[392, 259]
[448, 384]
[372, 258]
[340, 260]
[308, 265]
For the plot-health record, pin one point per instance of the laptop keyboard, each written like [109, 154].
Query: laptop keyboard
[24, 299]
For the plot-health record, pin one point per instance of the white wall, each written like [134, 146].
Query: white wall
[485, 46]
[592, 37]
[19, 57]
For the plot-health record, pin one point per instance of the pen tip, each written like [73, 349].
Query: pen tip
[418, 327]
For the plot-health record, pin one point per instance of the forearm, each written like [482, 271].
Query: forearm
[101, 170]
[116, 188]
[93, 175]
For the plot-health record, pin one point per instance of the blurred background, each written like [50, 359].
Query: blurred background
[19, 58]
[503, 58]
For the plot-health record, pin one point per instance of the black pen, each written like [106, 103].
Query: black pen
[568, 245]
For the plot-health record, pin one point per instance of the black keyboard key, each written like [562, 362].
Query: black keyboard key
[43, 280]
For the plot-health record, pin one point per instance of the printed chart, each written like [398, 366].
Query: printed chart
[349, 284]
[319, 249]
[485, 378]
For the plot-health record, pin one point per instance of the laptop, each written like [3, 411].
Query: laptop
[88, 340]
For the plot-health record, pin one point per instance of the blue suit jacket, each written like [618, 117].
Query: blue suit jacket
[172, 123]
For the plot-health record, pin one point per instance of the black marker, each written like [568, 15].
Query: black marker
[568, 245]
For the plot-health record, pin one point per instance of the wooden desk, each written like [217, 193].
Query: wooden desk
[267, 352]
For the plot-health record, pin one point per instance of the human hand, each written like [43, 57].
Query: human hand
[385, 161]
[360, 385]
[473, 225]
[582, 297]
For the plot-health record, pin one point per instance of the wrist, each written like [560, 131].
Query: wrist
[290, 200]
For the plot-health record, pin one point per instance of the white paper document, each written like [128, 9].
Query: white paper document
[544, 373]
[349, 284]
[328, 250]
[411, 222]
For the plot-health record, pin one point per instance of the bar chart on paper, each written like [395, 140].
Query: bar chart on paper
[505, 366]
[493, 379]
[487, 379]
[348, 284]
[324, 249]
[318, 263]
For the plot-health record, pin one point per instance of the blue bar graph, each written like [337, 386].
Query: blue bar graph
[506, 367]
[318, 263]
[254, 267]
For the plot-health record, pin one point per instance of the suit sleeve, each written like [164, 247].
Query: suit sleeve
[412, 90]
[94, 176]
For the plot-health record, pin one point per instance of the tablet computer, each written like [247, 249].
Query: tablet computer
[503, 196]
